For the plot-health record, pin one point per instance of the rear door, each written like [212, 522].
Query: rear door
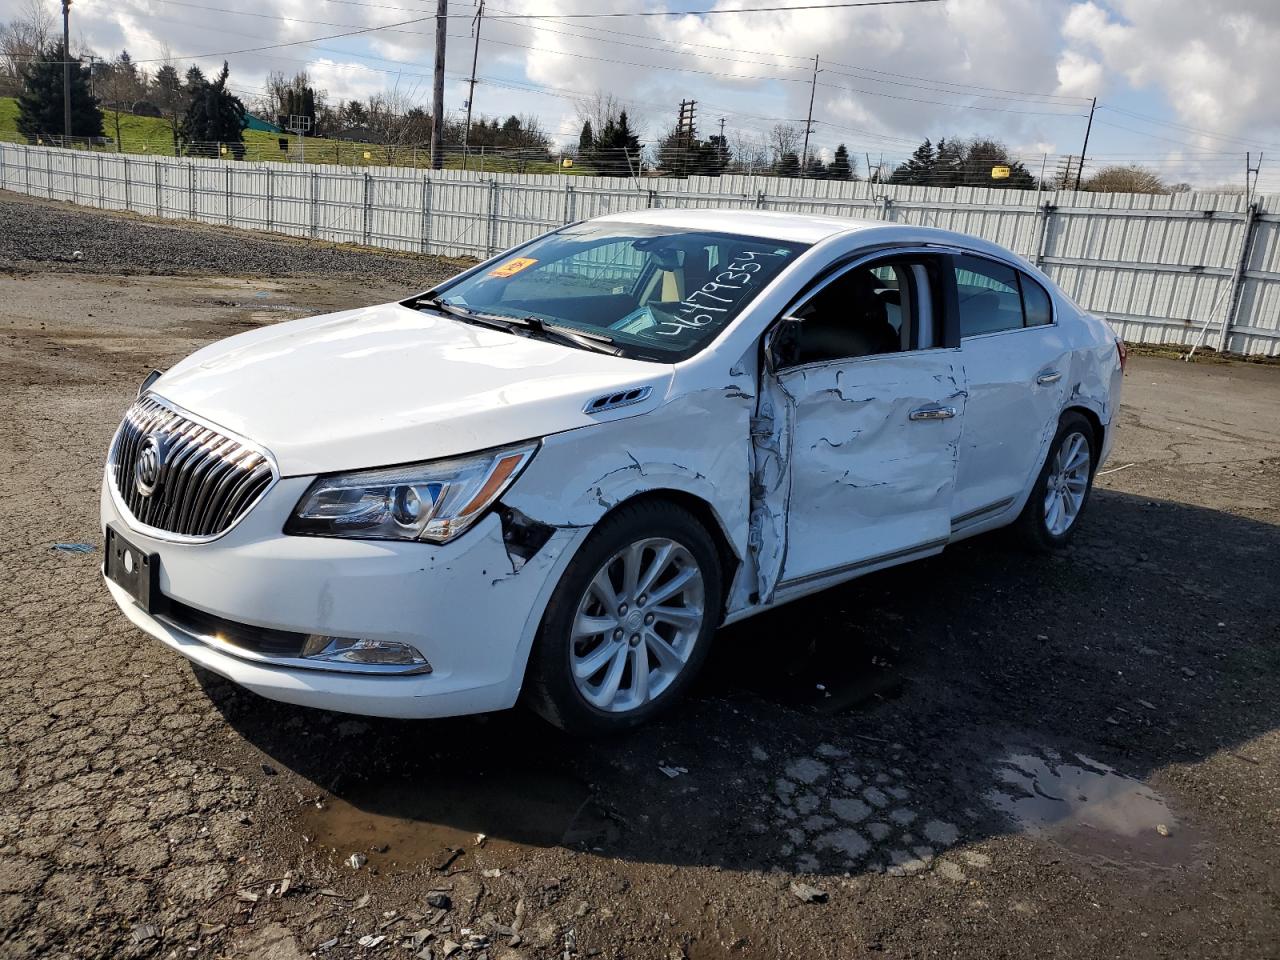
[863, 410]
[1016, 363]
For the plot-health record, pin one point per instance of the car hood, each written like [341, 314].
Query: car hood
[387, 384]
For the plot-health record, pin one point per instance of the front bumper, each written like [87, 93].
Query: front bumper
[468, 606]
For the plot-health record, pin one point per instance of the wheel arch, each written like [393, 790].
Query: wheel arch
[705, 514]
[1099, 431]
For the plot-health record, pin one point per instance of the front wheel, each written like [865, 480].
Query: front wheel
[630, 622]
[1062, 489]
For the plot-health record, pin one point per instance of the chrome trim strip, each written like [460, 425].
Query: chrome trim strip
[294, 663]
[247, 447]
[974, 515]
[904, 554]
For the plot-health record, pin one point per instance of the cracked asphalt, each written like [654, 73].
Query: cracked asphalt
[987, 754]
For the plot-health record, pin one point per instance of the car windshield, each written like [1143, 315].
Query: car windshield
[655, 292]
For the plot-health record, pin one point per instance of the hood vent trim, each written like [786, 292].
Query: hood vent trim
[620, 398]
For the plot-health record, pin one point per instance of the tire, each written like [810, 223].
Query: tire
[1038, 526]
[571, 674]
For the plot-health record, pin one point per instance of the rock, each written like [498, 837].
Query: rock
[807, 893]
[493, 874]
[357, 860]
[418, 939]
[943, 834]
[806, 770]
[269, 770]
[440, 901]
[370, 940]
[850, 809]
[1163, 830]
[875, 796]
[1188, 672]
[143, 932]
[448, 948]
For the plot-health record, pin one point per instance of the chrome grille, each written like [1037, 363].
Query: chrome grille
[207, 481]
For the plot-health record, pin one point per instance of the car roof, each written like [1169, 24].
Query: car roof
[809, 228]
[798, 227]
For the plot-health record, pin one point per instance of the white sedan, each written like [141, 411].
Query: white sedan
[553, 476]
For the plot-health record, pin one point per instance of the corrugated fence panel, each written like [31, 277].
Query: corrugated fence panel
[1162, 269]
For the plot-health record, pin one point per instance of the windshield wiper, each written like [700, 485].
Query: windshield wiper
[570, 335]
[597, 342]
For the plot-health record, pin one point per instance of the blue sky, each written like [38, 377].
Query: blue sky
[1184, 86]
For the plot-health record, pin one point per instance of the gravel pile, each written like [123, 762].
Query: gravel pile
[41, 234]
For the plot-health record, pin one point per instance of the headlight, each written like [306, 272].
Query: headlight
[433, 501]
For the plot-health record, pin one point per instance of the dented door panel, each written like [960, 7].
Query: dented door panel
[865, 479]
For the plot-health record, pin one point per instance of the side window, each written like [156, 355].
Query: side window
[1035, 303]
[868, 310]
[989, 296]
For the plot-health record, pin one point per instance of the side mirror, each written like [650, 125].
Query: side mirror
[782, 344]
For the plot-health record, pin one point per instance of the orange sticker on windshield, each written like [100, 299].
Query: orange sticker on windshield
[512, 267]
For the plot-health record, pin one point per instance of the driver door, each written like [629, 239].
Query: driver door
[860, 423]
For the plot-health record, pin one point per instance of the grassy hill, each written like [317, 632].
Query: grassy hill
[152, 136]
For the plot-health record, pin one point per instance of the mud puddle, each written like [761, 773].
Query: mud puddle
[1091, 809]
[423, 821]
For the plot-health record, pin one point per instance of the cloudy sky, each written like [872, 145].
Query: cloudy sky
[1183, 85]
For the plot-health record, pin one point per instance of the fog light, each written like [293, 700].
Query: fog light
[368, 652]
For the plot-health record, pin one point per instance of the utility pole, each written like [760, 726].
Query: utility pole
[66, 73]
[1085, 149]
[471, 95]
[808, 124]
[686, 132]
[437, 100]
[93, 61]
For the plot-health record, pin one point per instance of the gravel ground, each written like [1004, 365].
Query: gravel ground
[982, 755]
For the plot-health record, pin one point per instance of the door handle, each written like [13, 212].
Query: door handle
[932, 411]
[1048, 377]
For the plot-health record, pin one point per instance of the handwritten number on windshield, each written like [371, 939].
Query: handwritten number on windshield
[715, 297]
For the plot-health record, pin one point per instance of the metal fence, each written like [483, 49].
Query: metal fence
[1182, 269]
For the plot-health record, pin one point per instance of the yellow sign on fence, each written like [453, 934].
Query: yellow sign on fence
[1000, 173]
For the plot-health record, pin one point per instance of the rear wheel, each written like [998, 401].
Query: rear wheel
[1061, 492]
[630, 623]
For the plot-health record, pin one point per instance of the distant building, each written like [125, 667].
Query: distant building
[252, 122]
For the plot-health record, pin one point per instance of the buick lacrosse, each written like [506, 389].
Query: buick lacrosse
[552, 477]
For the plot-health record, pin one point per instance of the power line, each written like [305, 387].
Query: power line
[713, 11]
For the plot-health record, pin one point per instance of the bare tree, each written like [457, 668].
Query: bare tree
[396, 121]
[599, 109]
[22, 40]
[169, 95]
[1129, 179]
[119, 88]
[749, 155]
[784, 138]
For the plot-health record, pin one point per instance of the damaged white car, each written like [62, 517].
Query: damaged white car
[554, 476]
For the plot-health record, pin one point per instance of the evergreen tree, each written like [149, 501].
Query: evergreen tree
[195, 79]
[815, 169]
[840, 167]
[215, 116]
[40, 104]
[617, 149]
[788, 165]
[948, 169]
[586, 139]
[920, 167]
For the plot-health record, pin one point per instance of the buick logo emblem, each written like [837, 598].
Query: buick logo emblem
[148, 466]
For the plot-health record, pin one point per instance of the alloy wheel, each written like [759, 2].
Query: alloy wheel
[1067, 484]
[637, 624]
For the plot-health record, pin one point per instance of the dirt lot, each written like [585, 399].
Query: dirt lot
[983, 755]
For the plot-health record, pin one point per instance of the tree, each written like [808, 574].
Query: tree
[194, 79]
[981, 156]
[215, 116]
[841, 167]
[680, 156]
[919, 166]
[788, 165]
[169, 96]
[23, 40]
[586, 139]
[617, 149]
[1126, 179]
[40, 107]
[815, 169]
[784, 139]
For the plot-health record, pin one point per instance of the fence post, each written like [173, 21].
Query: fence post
[886, 206]
[425, 228]
[128, 191]
[1042, 243]
[159, 190]
[191, 189]
[1238, 278]
[570, 203]
[761, 202]
[270, 199]
[653, 198]
[48, 171]
[75, 178]
[366, 232]
[315, 204]
[101, 193]
[230, 212]
[492, 245]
